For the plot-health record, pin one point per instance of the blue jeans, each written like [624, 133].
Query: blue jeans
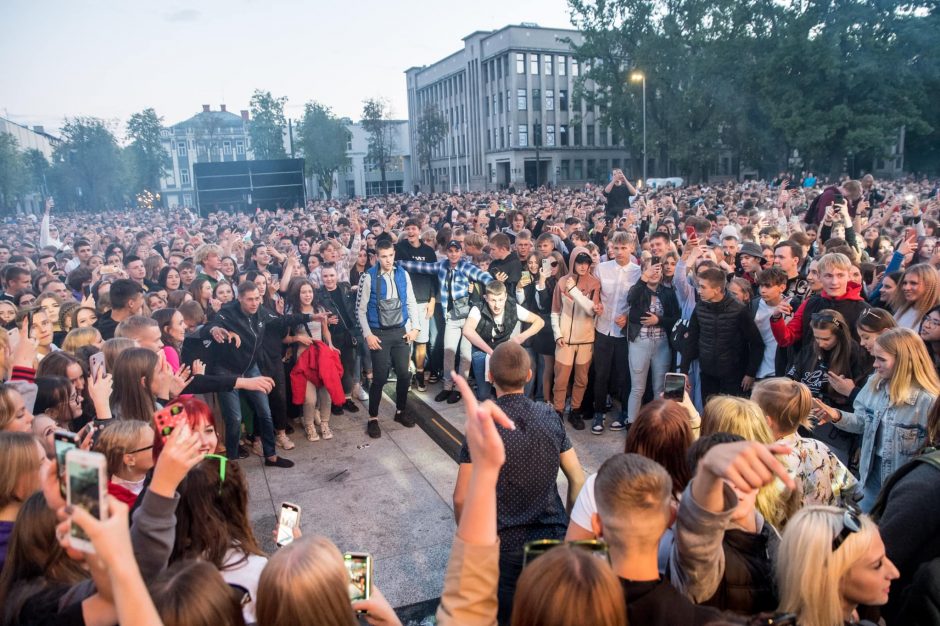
[533, 388]
[232, 413]
[484, 388]
[646, 354]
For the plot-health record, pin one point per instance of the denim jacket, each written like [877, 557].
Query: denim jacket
[903, 427]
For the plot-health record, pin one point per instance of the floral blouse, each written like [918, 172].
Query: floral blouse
[821, 477]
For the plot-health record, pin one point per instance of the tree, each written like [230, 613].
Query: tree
[323, 139]
[267, 124]
[11, 171]
[37, 168]
[89, 169]
[147, 158]
[376, 121]
[432, 128]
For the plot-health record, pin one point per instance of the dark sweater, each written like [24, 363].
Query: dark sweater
[656, 602]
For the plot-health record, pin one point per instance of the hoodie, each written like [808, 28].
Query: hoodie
[850, 304]
[573, 310]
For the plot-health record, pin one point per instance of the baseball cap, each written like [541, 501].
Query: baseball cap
[454, 244]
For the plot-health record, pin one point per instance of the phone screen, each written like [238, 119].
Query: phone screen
[359, 567]
[84, 491]
[289, 519]
[64, 441]
[674, 387]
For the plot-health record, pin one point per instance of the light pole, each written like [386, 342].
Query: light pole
[537, 131]
[639, 77]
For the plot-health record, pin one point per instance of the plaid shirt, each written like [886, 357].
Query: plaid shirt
[464, 272]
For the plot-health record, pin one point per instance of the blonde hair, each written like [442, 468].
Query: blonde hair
[630, 483]
[7, 406]
[834, 260]
[786, 401]
[18, 457]
[929, 277]
[78, 337]
[809, 572]
[113, 347]
[118, 438]
[738, 416]
[305, 583]
[568, 586]
[913, 368]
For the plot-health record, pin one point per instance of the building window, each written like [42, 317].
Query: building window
[591, 169]
[508, 101]
[550, 135]
[562, 63]
[489, 139]
[523, 136]
[576, 132]
[536, 99]
[563, 99]
[226, 147]
[520, 63]
[239, 146]
[184, 177]
[603, 136]
[549, 100]
[590, 134]
[574, 68]
[534, 64]
[486, 107]
[521, 100]
[548, 65]
[502, 138]
[500, 101]
[565, 170]
[537, 134]
[498, 63]
[576, 103]
[563, 132]
[486, 73]
[602, 168]
[578, 169]
[181, 148]
[187, 200]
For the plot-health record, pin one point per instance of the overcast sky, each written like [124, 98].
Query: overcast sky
[109, 58]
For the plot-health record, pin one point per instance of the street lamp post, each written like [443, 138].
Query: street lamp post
[640, 77]
[538, 140]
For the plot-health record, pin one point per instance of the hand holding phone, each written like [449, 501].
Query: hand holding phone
[674, 387]
[167, 418]
[87, 487]
[359, 567]
[288, 520]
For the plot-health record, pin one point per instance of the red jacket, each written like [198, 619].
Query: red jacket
[122, 493]
[320, 365]
[791, 332]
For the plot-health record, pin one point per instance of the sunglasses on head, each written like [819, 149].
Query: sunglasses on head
[851, 523]
[534, 549]
[824, 318]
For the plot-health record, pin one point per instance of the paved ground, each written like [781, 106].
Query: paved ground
[389, 496]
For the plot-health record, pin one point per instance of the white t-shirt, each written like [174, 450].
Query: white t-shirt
[522, 314]
[762, 319]
[246, 575]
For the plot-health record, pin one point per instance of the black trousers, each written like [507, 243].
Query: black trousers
[510, 568]
[610, 369]
[277, 399]
[729, 385]
[394, 352]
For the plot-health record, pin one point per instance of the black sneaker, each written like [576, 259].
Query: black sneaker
[243, 451]
[420, 385]
[373, 428]
[350, 406]
[575, 419]
[289, 429]
[433, 377]
[453, 396]
[442, 395]
[336, 409]
[279, 462]
[404, 419]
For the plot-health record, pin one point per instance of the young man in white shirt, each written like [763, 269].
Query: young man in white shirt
[772, 283]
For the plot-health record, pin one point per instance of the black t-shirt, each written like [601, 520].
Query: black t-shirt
[424, 285]
[657, 602]
[617, 200]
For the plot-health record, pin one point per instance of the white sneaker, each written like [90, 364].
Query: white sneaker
[311, 431]
[362, 394]
[256, 447]
[283, 441]
[327, 433]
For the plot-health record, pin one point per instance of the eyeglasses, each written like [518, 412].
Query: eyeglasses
[144, 449]
[851, 523]
[537, 548]
[929, 321]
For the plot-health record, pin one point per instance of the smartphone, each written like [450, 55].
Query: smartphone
[275, 277]
[63, 441]
[674, 387]
[837, 198]
[29, 325]
[655, 260]
[690, 233]
[910, 232]
[96, 364]
[167, 418]
[287, 521]
[359, 567]
[880, 268]
[13, 338]
[547, 266]
[87, 486]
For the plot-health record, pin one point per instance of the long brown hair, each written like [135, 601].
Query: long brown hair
[214, 605]
[212, 517]
[840, 357]
[131, 396]
[662, 433]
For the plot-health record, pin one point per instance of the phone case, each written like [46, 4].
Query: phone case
[167, 418]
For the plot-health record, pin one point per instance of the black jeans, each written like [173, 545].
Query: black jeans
[394, 352]
[729, 385]
[277, 399]
[610, 370]
[510, 568]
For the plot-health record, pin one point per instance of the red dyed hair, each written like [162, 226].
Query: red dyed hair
[197, 412]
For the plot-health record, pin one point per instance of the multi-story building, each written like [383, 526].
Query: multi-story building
[208, 136]
[35, 138]
[363, 177]
[513, 116]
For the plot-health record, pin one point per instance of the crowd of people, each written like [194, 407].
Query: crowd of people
[790, 478]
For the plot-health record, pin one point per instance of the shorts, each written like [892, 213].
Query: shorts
[424, 324]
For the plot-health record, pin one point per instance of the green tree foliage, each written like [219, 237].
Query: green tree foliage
[431, 130]
[146, 156]
[376, 121]
[89, 167]
[267, 125]
[323, 139]
[37, 169]
[11, 171]
[760, 78]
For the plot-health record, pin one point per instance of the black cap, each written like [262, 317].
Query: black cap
[454, 244]
[583, 257]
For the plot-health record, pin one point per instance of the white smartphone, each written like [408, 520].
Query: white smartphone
[13, 337]
[87, 486]
[96, 363]
[287, 521]
[359, 567]
[547, 266]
